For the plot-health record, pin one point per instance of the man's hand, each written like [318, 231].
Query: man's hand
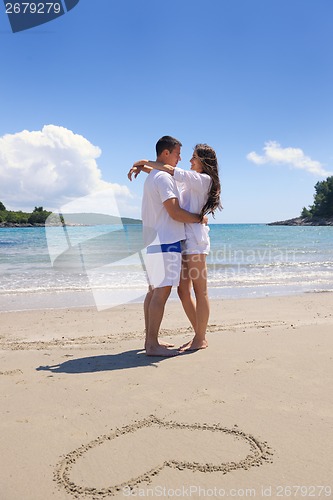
[204, 220]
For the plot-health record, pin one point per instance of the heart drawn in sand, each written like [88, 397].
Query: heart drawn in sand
[138, 452]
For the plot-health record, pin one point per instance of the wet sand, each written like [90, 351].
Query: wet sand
[85, 414]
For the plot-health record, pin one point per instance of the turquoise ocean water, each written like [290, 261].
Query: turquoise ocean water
[246, 260]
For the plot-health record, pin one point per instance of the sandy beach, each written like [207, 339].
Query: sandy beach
[85, 414]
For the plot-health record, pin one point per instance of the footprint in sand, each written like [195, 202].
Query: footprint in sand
[12, 372]
[134, 454]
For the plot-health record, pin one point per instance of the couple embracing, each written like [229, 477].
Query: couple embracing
[174, 207]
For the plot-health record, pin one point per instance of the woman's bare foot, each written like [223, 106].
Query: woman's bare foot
[160, 350]
[194, 345]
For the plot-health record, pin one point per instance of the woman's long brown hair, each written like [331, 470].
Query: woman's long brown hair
[207, 157]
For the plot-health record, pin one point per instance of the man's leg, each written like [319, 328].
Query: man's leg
[155, 312]
[146, 306]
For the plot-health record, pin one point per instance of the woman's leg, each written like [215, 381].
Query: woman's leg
[197, 275]
[184, 293]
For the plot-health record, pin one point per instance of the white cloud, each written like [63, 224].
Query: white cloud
[50, 167]
[295, 157]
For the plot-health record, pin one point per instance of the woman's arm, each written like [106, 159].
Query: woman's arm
[157, 165]
[147, 166]
[137, 169]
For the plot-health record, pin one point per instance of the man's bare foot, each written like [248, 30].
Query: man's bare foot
[194, 345]
[166, 344]
[163, 344]
[160, 350]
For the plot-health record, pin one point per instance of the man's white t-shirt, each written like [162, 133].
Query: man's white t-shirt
[158, 226]
[193, 189]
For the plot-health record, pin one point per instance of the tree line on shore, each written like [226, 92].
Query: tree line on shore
[322, 207]
[323, 201]
[38, 216]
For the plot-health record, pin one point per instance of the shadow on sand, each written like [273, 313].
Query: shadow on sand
[106, 362]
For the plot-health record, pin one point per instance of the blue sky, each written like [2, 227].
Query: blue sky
[252, 78]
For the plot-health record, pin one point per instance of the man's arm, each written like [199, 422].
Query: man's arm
[179, 214]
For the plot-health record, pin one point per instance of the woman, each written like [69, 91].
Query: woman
[199, 193]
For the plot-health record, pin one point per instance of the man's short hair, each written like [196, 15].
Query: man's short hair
[166, 142]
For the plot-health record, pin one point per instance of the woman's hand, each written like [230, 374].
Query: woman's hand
[140, 163]
[138, 167]
[134, 170]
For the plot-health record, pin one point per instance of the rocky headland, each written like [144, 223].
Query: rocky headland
[304, 221]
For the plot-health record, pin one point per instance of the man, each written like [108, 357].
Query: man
[163, 229]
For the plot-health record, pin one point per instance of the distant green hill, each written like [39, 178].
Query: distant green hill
[40, 217]
[89, 219]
